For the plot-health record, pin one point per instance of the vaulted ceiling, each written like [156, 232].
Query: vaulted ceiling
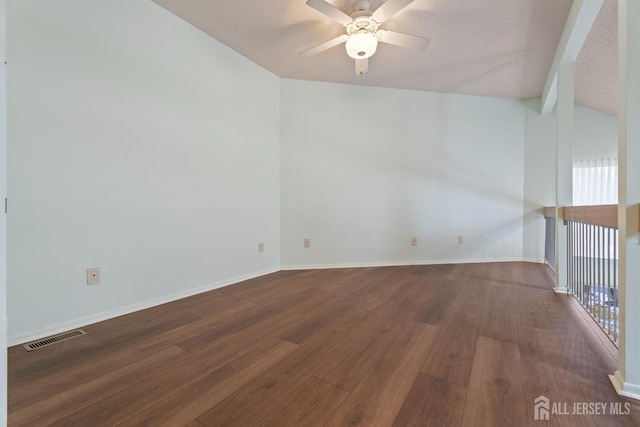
[497, 48]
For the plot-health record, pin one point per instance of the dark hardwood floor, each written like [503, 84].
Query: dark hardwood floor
[441, 345]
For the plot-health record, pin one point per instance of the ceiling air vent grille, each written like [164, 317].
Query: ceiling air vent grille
[53, 339]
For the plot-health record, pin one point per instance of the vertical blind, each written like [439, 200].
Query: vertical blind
[595, 182]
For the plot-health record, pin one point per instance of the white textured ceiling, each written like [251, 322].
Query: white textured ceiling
[498, 48]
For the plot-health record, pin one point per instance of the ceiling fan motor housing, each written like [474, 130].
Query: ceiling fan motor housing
[362, 24]
[361, 5]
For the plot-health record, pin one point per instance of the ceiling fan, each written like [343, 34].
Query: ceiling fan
[363, 33]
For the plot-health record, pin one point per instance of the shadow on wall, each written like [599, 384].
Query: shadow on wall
[441, 164]
[436, 173]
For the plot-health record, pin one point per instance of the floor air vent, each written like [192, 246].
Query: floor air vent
[53, 339]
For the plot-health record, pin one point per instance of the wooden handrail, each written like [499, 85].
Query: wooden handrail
[604, 215]
[550, 212]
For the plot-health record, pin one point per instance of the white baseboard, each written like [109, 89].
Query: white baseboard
[3, 371]
[632, 391]
[550, 266]
[406, 263]
[534, 260]
[94, 318]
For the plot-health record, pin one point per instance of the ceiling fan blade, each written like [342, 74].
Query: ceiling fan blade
[330, 10]
[324, 46]
[390, 8]
[403, 40]
[362, 66]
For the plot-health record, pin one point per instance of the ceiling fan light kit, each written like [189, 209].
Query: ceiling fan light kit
[361, 46]
[362, 28]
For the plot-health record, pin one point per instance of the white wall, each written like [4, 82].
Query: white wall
[596, 134]
[596, 137]
[3, 220]
[540, 176]
[137, 144]
[364, 169]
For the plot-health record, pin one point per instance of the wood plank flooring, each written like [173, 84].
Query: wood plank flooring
[441, 345]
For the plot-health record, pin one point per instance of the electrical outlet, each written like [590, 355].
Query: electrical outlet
[93, 275]
[260, 247]
[307, 243]
[460, 239]
[414, 241]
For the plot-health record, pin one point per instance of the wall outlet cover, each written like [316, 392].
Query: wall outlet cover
[93, 275]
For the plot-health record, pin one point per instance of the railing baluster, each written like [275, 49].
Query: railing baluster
[598, 282]
[606, 280]
[570, 257]
[550, 238]
[603, 294]
[580, 266]
[615, 285]
[570, 252]
[586, 266]
[592, 269]
[578, 262]
[588, 259]
[582, 261]
[592, 272]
